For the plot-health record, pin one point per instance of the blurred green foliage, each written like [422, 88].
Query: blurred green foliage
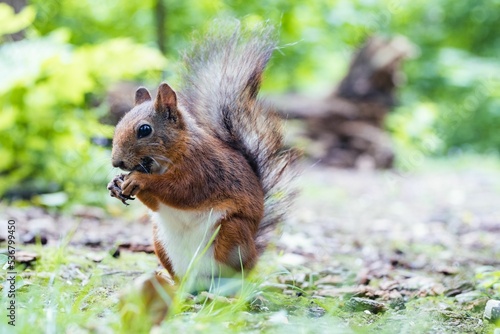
[51, 82]
[48, 93]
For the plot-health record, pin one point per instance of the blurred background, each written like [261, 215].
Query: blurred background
[374, 84]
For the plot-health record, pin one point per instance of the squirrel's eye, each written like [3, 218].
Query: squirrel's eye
[144, 131]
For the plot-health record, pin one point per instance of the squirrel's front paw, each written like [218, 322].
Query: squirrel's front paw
[131, 185]
[115, 188]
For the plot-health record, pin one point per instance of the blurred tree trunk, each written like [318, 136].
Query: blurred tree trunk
[18, 5]
[348, 124]
[160, 16]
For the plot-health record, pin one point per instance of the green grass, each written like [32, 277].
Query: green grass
[64, 292]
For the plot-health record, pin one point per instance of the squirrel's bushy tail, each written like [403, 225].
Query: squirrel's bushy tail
[221, 78]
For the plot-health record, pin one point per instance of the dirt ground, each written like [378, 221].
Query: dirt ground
[387, 237]
[426, 233]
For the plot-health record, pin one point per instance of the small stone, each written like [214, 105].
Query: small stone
[33, 238]
[492, 310]
[358, 304]
[316, 311]
[95, 257]
[470, 296]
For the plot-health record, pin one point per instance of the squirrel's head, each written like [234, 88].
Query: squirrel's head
[148, 138]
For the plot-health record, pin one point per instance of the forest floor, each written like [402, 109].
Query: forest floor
[362, 251]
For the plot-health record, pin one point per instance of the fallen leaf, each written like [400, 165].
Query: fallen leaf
[330, 280]
[25, 256]
[150, 293]
[133, 247]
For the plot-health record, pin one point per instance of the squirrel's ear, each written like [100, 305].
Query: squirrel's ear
[142, 95]
[166, 100]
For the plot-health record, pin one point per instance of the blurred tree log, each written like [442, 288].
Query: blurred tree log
[349, 123]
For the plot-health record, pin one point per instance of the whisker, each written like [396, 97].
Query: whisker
[165, 159]
[154, 160]
[98, 166]
[110, 171]
[145, 169]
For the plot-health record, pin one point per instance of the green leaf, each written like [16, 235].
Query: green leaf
[12, 22]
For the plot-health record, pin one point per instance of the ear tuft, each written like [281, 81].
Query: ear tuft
[142, 95]
[166, 99]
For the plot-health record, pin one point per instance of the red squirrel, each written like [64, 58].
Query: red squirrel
[208, 159]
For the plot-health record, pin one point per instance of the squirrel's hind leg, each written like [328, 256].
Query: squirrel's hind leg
[234, 245]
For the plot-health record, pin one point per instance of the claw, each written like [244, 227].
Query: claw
[115, 190]
[124, 198]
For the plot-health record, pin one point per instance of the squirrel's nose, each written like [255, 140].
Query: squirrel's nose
[118, 164]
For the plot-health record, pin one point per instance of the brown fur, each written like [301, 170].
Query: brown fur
[214, 146]
[204, 173]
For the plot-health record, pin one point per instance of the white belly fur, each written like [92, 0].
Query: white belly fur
[185, 235]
